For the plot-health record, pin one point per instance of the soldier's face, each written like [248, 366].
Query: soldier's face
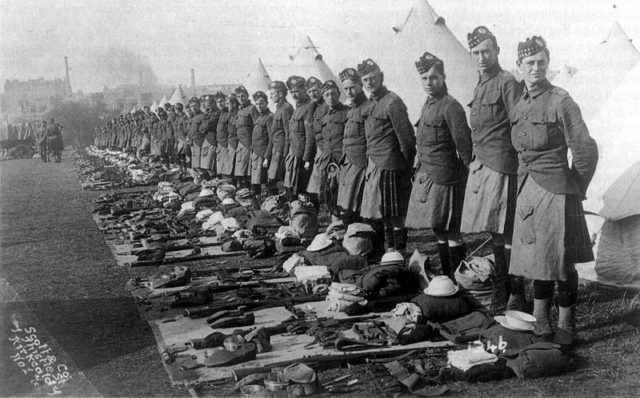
[231, 104]
[261, 104]
[195, 107]
[332, 97]
[275, 95]
[352, 89]
[243, 98]
[486, 55]
[314, 94]
[221, 103]
[146, 111]
[372, 81]
[432, 82]
[297, 93]
[534, 68]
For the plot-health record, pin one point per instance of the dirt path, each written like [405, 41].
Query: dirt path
[58, 277]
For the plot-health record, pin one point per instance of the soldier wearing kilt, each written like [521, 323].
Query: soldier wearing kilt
[195, 137]
[280, 135]
[232, 133]
[391, 148]
[208, 127]
[489, 199]
[247, 114]
[354, 148]
[296, 175]
[223, 168]
[444, 154]
[260, 142]
[332, 132]
[550, 232]
[313, 145]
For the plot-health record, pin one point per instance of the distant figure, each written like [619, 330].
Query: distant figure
[42, 141]
[54, 140]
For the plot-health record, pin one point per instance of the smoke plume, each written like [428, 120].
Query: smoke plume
[120, 65]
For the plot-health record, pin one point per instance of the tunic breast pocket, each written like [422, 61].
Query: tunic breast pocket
[490, 109]
[546, 134]
[277, 124]
[243, 121]
[433, 130]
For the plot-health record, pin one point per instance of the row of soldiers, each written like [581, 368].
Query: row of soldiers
[505, 173]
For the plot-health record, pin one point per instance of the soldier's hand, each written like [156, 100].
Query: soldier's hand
[265, 163]
[307, 166]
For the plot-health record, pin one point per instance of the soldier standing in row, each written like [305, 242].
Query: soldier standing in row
[179, 133]
[280, 135]
[54, 140]
[489, 199]
[232, 132]
[260, 142]
[296, 175]
[313, 144]
[550, 231]
[42, 141]
[223, 168]
[210, 122]
[444, 154]
[391, 148]
[195, 138]
[247, 114]
[332, 133]
[354, 149]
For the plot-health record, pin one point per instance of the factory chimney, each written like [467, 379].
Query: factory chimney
[193, 77]
[67, 82]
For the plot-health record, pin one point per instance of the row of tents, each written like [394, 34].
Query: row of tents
[613, 199]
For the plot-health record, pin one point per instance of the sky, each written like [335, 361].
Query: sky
[109, 41]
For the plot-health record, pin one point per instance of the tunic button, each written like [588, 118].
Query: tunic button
[474, 144]
[526, 117]
[525, 133]
[474, 113]
[473, 129]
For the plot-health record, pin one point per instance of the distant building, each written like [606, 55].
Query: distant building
[30, 100]
[126, 96]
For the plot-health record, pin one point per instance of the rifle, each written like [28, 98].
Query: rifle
[323, 361]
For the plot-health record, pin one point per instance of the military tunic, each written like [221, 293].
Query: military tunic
[354, 156]
[332, 132]
[280, 140]
[550, 232]
[391, 148]
[260, 146]
[208, 129]
[232, 128]
[444, 153]
[196, 138]
[314, 142]
[244, 126]
[223, 165]
[296, 177]
[490, 192]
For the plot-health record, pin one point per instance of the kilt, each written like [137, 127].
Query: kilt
[145, 144]
[435, 206]
[208, 156]
[318, 177]
[54, 143]
[351, 186]
[258, 173]
[386, 192]
[196, 151]
[550, 234]
[243, 161]
[276, 167]
[223, 165]
[295, 176]
[489, 201]
[155, 147]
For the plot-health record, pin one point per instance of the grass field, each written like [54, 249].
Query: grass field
[57, 275]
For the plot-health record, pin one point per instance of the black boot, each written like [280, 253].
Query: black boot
[456, 254]
[445, 259]
[400, 239]
[256, 189]
[389, 239]
[501, 285]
